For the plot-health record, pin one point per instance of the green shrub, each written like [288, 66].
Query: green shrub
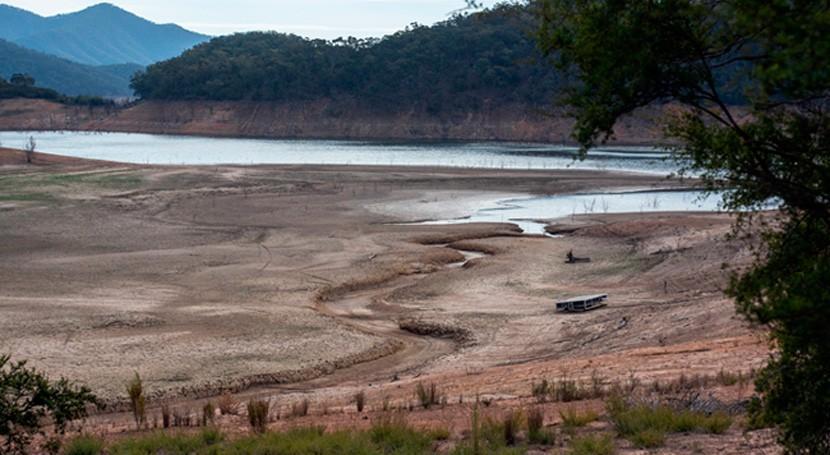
[593, 445]
[84, 445]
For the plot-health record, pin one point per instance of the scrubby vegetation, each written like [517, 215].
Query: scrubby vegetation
[646, 426]
[258, 415]
[593, 445]
[23, 86]
[390, 436]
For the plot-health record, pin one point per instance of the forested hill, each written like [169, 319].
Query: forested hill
[65, 76]
[464, 63]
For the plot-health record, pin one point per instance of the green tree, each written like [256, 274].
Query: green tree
[22, 80]
[706, 56]
[28, 399]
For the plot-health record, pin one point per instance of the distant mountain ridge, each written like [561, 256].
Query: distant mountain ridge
[67, 77]
[103, 34]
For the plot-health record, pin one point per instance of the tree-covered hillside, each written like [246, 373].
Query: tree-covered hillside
[464, 63]
[66, 76]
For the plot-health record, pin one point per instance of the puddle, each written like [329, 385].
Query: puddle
[532, 214]
[468, 256]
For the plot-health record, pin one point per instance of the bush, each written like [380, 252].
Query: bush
[28, 399]
[593, 445]
[258, 415]
[360, 400]
[84, 445]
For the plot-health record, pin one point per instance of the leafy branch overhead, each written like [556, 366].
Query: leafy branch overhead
[28, 398]
[770, 143]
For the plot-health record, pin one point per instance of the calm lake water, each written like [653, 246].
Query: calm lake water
[158, 149]
[526, 212]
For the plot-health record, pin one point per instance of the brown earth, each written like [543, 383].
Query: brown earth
[318, 120]
[292, 283]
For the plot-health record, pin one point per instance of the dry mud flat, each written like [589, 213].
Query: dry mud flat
[293, 283]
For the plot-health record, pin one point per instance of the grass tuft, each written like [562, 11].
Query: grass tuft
[84, 445]
[647, 426]
[593, 445]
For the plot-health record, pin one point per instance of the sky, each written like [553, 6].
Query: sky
[311, 18]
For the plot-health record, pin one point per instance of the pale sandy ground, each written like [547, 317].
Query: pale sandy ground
[289, 283]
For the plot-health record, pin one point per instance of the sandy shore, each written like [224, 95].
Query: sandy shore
[287, 281]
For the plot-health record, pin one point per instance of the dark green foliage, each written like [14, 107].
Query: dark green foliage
[628, 54]
[28, 398]
[475, 61]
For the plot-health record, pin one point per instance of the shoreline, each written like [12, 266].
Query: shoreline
[315, 121]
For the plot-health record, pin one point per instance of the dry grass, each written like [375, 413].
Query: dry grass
[572, 418]
[258, 415]
[228, 405]
[300, 409]
[428, 395]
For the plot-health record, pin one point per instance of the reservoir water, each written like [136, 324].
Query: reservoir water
[528, 213]
[175, 150]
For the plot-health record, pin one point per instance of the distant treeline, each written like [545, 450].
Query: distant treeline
[23, 86]
[466, 62]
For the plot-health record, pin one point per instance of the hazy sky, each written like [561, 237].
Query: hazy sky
[313, 18]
